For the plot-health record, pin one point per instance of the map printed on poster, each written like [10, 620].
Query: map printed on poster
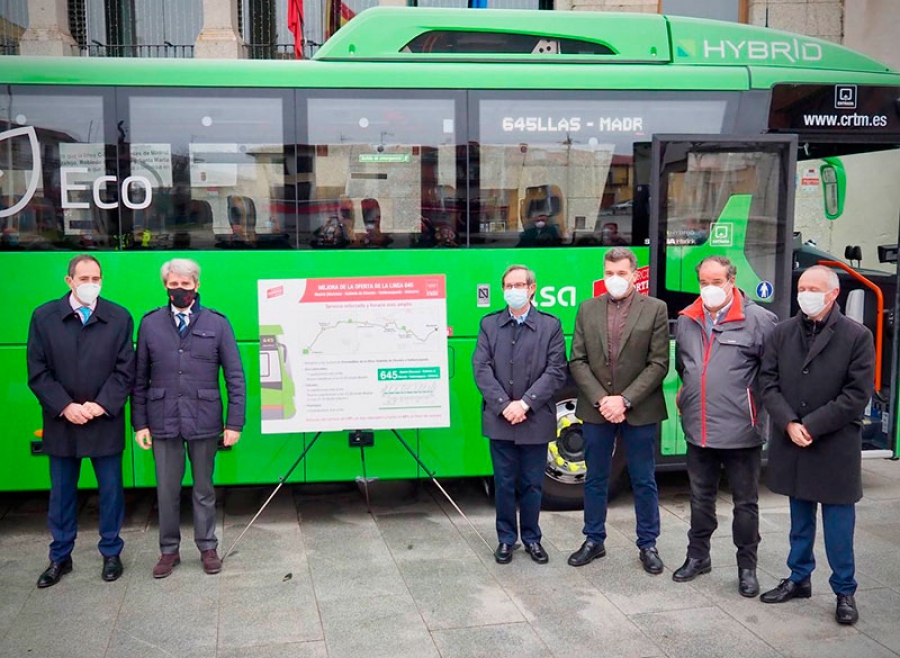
[353, 353]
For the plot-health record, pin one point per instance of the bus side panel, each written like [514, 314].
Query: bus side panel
[671, 436]
[332, 459]
[20, 467]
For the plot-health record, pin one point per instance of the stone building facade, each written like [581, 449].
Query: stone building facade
[870, 26]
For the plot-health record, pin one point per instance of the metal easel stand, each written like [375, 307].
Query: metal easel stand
[442, 490]
[281, 482]
[360, 439]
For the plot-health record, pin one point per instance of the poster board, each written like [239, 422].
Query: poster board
[353, 353]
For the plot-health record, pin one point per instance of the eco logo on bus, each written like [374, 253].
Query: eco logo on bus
[135, 192]
[31, 135]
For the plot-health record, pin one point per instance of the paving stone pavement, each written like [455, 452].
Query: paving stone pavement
[318, 576]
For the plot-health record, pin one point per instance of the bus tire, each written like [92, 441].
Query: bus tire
[563, 487]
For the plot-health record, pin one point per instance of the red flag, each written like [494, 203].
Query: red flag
[295, 25]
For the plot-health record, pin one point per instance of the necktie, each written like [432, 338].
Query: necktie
[85, 313]
[182, 323]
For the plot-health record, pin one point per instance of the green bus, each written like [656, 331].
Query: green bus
[449, 142]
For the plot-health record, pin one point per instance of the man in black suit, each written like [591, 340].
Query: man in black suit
[177, 404]
[81, 369]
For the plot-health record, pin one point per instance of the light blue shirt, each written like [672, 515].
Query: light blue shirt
[520, 318]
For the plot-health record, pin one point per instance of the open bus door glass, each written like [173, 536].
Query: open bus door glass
[859, 182]
[720, 196]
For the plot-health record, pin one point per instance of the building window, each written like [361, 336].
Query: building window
[723, 10]
[126, 28]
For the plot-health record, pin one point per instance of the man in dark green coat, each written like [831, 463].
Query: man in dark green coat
[620, 356]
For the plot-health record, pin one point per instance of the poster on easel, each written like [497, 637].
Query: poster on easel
[353, 353]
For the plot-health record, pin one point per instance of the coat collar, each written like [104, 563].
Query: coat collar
[826, 333]
[99, 314]
[634, 311]
[735, 312]
[530, 321]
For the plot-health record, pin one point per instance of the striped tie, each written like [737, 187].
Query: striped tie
[85, 313]
[182, 323]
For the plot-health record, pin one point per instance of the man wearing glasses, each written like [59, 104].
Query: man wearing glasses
[519, 365]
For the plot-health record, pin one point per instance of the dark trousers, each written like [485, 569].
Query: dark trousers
[62, 513]
[639, 443]
[838, 522]
[169, 457]
[518, 476]
[704, 466]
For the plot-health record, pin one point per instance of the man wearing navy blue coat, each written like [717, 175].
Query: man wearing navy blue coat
[177, 404]
[519, 365]
[81, 369]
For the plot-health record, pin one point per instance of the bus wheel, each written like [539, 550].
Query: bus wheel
[564, 477]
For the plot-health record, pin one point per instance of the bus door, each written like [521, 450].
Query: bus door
[720, 196]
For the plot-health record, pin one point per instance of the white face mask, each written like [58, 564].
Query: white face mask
[516, 298]
[811, 303]
[616, 286]
[713, 296]
[87, 293]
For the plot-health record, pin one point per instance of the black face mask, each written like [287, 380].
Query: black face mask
[181, 297]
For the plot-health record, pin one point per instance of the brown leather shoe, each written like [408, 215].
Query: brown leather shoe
[211, 562]
[167, 562]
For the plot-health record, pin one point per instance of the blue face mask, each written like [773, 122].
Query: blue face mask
[516, 298]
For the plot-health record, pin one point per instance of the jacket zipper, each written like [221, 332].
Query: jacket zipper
[709, 344]
[751, 407]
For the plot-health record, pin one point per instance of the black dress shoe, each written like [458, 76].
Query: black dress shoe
[748, 585]
[651, 560]
[54, 573]
[503, 554]
[846, 612]
[537, 552]
[112, 568]
[692, 568]
[787, 589]
[589, 551]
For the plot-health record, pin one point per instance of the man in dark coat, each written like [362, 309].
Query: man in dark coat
[177, 403]
[519, 365]
[817, 378]
[620, 356]
[81, 369]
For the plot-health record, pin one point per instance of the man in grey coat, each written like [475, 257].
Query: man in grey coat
[177, 404]
[817, 378]
[519, 365]
[719, 343]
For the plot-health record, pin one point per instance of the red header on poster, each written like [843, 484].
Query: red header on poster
[375, 288]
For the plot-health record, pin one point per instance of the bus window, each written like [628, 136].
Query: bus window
[724, 203]
[871, 198]
[54, 154]
[381, 173]
[373, 236]
[551, 172]
[215, 163]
